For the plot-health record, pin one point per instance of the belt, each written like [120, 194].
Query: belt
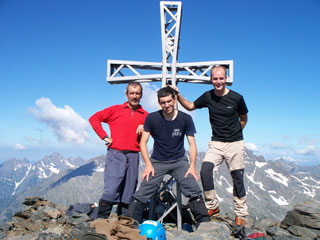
[127, 151]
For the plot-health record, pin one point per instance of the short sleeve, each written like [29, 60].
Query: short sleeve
[201, 101]
[190, 127]
[242, 106]
[147, 123]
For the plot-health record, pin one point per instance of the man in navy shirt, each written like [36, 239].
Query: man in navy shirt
[168, 127]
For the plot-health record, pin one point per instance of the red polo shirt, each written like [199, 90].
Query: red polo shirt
[123, 122]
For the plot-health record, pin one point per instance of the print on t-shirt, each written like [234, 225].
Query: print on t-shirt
[176, 133]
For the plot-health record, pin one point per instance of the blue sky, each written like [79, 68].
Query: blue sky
[53, 68]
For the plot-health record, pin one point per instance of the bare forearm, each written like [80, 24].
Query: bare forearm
[144, 153]
[185, 103]
[243, 124]
[193, 155]
[243, 120]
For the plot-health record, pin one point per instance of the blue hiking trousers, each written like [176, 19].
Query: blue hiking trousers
[120, 176]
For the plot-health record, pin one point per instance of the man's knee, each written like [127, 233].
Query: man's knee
[206, 174]
[238, 185]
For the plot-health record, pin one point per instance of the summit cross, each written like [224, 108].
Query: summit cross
[169, 71]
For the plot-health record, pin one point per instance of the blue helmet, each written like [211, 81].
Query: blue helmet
[153, 230]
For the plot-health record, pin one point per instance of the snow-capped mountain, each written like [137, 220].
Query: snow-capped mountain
[56, 163]
[19, 175]
[273, 187]
[12, 175]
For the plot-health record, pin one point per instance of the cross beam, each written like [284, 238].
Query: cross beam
[169, 71]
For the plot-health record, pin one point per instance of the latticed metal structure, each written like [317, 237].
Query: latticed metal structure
[169, 71]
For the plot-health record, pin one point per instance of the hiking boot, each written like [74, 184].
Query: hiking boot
[135, 210]
[198, 210]
[105, 208]
[239, 221]
[214, 212]
[122, 209]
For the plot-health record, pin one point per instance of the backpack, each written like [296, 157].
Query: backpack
[239, 231]
[93, 236]
[88, 208]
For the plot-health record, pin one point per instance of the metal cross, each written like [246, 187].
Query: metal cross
[169, 71]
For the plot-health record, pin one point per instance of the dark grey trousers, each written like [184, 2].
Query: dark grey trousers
[175, 168]
[120, 176]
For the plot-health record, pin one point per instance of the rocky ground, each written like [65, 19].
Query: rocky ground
[45, 220]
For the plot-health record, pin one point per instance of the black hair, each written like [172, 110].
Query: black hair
[166, 91]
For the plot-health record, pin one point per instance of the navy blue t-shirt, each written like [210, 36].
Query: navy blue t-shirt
[168, 135]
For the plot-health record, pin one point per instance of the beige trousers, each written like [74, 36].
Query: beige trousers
[233, 154]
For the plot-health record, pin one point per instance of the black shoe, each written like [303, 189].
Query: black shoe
[199, 210]
[105, 208]
[122, 209]
[135, 211]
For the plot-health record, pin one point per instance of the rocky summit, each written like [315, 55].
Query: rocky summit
[43, 219]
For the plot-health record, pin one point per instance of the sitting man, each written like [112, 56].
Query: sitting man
[168, 127]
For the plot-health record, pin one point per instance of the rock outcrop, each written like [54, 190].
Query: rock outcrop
[45, 220]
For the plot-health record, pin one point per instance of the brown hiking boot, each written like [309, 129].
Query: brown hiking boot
[239, 221]
[214, 212]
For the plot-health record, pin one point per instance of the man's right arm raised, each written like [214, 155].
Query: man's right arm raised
[184, 102]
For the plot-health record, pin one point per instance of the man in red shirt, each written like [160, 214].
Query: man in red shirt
[121, 166]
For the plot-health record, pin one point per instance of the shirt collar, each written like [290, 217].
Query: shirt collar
[139, 108]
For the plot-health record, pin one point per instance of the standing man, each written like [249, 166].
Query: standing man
[121, 166]
[228, 116]
[168, 127]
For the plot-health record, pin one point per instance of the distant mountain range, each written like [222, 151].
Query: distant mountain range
[273, 187]
[19, 176]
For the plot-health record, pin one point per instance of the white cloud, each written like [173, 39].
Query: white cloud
[277, 145]
[65, 123]
[149, 99]
[308, 150]
[44, 141]
[19, 146]
[29, 139]
[308, 139]
[41, 141]
[251, 146]
[287, 158]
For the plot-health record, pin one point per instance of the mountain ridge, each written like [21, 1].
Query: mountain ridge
[271, 185]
